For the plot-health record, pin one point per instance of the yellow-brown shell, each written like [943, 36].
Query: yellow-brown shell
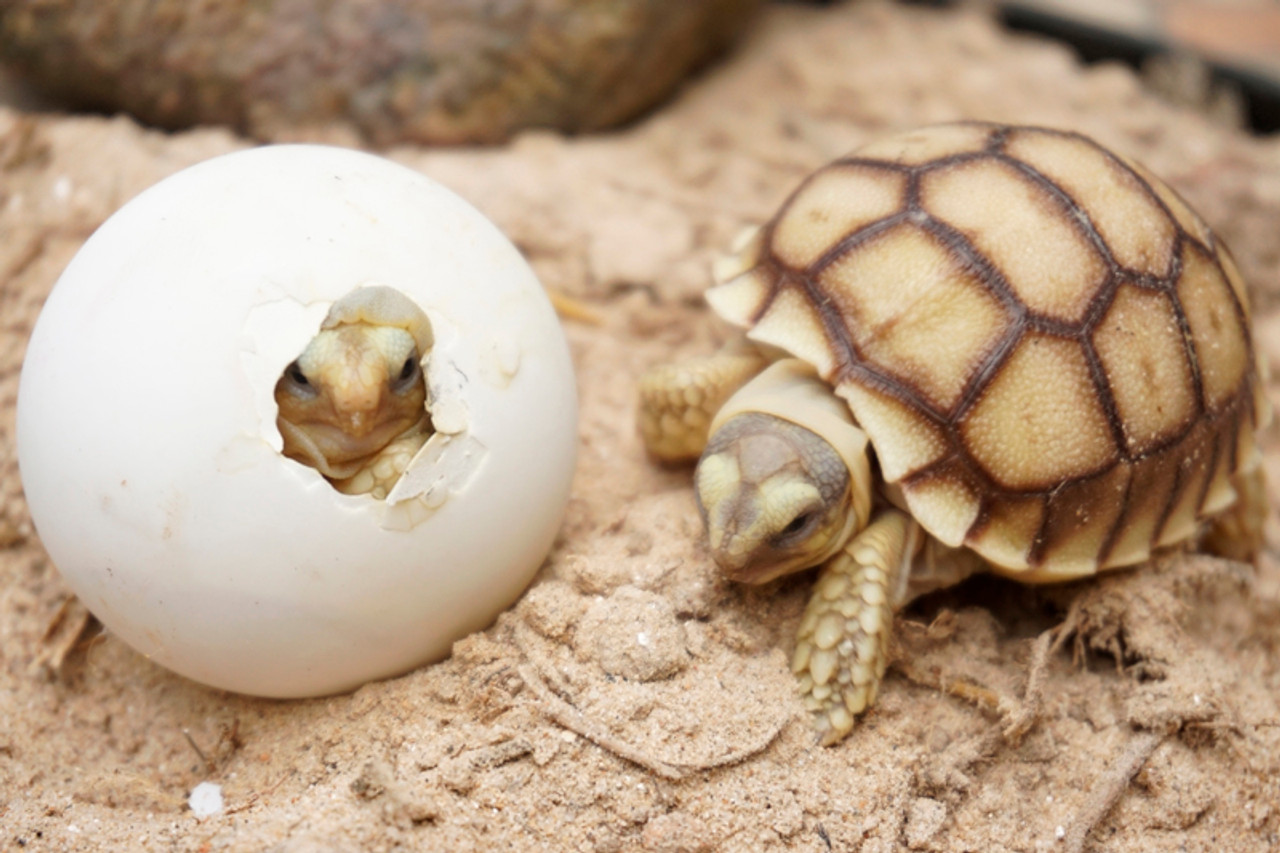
[1049, 350]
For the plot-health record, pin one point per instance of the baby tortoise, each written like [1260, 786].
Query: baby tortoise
[353, 405]
[968, 347]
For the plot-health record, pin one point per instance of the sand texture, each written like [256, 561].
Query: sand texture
[632, 700]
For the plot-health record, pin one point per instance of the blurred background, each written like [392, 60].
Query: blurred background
[478, 71]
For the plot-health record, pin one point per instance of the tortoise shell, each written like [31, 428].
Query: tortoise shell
[1048, 348]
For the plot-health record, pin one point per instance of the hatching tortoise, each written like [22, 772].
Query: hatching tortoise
[353, 404]
[970, 346]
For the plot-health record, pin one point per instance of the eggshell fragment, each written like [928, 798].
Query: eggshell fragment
[151, 459]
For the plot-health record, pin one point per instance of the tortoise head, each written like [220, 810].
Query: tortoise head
[776, 498]
[353, 390]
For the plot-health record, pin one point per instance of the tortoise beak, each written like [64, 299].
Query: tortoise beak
[741, 559]
[357, 424]
[754, 572]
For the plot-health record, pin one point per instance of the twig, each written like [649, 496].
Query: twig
[1018, 715]
[1109, 789]
[208, 767]
[252, 799]
[743, 752]
[1021, 716]
[976, 694]
[70, 627]
[1067, 628]
[571, 308]
[575, 721]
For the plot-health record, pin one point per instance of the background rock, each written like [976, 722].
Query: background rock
[432, 71]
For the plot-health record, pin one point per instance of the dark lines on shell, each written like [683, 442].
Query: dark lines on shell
[1175, 495]
[1184, 326]
[1211, 466]
[832, 320]
[998, 136]
[974, 261]
[862, 236]
[1112, 536]
[1083, 223]
[1242, 310]
[1076, 215]
[987, 370]
[1106, 398]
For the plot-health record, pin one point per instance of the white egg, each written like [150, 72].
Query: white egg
[150, 455]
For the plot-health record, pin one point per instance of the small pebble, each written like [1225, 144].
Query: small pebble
[205, 800]
[925, 817]
[552, 608]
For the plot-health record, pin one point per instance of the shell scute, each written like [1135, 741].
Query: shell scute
[1125, 213]
[836, 201]
[947, 501]
[1221, 491]
[1023, 230]
[1143, 355]
[1232, 272]
[929, 144]
[1194, 466]
[936, 323]
[1081, 521]
[1040, 422]
[1216, 326]
[1151, 485]
[1007, 526]
[795, 323]
[921, 441]
[1188, 221]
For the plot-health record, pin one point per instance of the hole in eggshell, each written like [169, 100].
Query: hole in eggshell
[278, 329]
[354, 403]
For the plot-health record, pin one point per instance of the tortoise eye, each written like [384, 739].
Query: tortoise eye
[296, 376]
[297, 383]
[408, 373]
[800, 522]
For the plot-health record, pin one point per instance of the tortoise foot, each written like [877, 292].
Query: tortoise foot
[842, 646]
[678, 401]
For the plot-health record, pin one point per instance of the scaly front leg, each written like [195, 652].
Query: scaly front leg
[678, 401]
[842, 646]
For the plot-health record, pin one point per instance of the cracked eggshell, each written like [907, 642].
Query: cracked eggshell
[151, 460]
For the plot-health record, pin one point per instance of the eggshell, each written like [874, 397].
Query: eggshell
[151, 460]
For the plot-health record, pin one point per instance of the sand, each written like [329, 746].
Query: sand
[632, 700]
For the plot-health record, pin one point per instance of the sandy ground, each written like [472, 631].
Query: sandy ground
[557, 729]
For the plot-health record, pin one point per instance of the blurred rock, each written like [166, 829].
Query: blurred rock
[428, 71]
